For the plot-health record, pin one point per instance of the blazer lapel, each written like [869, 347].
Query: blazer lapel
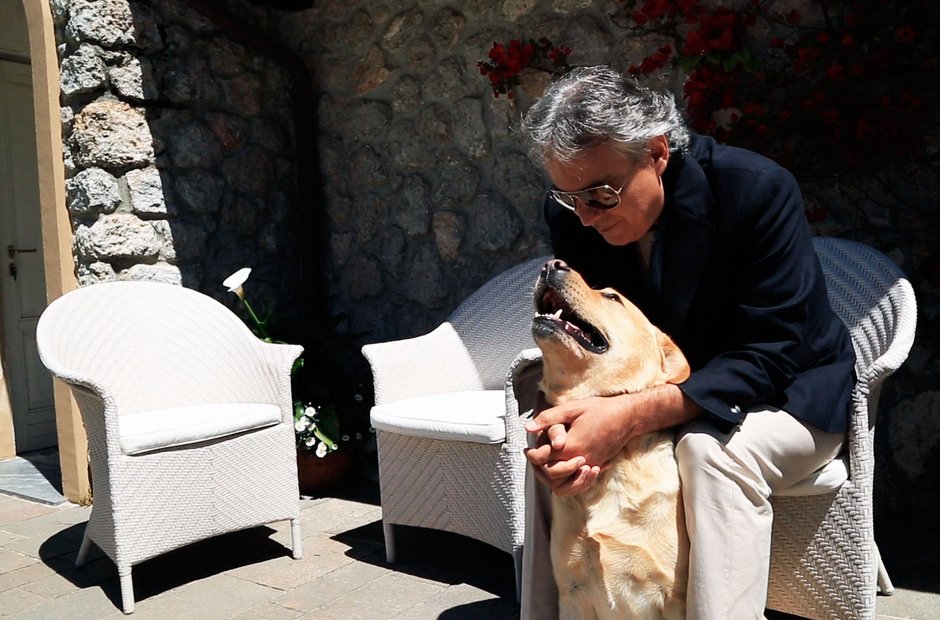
[681, 252]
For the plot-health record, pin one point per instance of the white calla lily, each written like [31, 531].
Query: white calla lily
[235, 281]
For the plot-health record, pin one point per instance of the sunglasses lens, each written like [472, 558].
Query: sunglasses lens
[565, 200]
[601, 198]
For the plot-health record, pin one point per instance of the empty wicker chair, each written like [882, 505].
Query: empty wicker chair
[450, 458]
[824, 561]
[188, 415]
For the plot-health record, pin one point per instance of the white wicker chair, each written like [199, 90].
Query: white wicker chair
[450, 457]
[188, 416]
[824, 561]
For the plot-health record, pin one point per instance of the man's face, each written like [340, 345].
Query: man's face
[641, 199]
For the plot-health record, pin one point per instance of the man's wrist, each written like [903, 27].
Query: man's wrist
[662, 407]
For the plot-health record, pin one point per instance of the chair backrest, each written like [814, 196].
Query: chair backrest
[874, 299]
[150, 345]
[495, 322]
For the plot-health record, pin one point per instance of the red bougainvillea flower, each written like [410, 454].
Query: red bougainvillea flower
[506, 61]
[653, 63]
[905, 34]
[835, 71]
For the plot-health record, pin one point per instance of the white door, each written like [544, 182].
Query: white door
[22, 282]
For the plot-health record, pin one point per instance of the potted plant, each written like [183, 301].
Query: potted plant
[321, 390]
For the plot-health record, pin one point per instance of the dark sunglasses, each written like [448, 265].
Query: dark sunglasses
[600, 197]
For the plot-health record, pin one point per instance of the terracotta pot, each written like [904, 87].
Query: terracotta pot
[319, 474]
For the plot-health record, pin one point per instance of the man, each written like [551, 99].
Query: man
[712, 244]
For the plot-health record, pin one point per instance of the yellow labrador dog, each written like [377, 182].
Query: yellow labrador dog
[620, 549]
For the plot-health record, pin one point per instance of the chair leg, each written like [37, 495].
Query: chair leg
[127, 590]
[389, 542]
[517, 561]
[83, 549]
[297, 549]
[884, 581]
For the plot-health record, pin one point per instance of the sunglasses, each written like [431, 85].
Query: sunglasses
[600, 197]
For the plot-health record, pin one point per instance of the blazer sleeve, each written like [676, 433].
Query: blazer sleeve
[774, 280]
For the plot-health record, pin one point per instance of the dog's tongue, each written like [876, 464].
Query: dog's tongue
[575, 331]
[571, 328]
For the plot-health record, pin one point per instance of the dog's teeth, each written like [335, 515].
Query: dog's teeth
[557, 314]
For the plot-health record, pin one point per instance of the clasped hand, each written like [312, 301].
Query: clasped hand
[575, 441]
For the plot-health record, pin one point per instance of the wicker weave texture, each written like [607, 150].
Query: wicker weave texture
[478, 484]
[472, 489]
[126, 347]
[470, 351]
[824, 562]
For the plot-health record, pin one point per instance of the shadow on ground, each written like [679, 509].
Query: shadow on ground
[911, 554]
[165, 572]
[430, 554]
[437, 556]
[46, 463]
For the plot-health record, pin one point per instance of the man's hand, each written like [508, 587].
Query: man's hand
[576, 440]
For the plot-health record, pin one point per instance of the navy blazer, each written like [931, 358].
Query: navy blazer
[734, 280]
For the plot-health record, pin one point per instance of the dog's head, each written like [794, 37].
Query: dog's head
[596, 342]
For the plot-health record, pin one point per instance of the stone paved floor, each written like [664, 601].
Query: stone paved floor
[250, 574]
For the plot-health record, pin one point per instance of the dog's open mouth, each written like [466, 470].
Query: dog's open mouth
[555, 312]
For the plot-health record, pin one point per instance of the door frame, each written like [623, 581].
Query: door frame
[59, 265]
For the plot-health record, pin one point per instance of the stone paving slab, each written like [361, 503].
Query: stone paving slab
[34, 476]
[13, 510]
[910, 604]
[26, 575]
[250, 575]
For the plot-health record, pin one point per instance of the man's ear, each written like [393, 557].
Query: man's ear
[659, 151]
[675, 365]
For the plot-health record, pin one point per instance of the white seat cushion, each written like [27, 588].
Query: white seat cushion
[826, 479]
[178, 426]
[477, 416]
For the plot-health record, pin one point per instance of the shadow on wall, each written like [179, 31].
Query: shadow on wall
[180, 153]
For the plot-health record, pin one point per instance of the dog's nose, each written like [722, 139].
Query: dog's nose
[555, 264]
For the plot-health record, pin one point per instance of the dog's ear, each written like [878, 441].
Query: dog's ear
[674, 362]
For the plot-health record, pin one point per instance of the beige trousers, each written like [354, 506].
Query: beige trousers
[727, 479]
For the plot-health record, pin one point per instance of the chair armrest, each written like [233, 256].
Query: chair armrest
[433, 363]
[901, 307]
[522, 385]
[896, 322]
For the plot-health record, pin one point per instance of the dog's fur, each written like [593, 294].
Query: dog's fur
[620, 549]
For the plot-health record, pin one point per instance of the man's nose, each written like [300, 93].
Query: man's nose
[586, 214]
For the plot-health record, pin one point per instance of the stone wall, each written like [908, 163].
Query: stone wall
[178, 148]
[428, 189]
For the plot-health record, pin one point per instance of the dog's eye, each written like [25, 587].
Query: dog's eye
[614, 297]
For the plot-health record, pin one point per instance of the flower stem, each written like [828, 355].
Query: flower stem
[254, 317]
